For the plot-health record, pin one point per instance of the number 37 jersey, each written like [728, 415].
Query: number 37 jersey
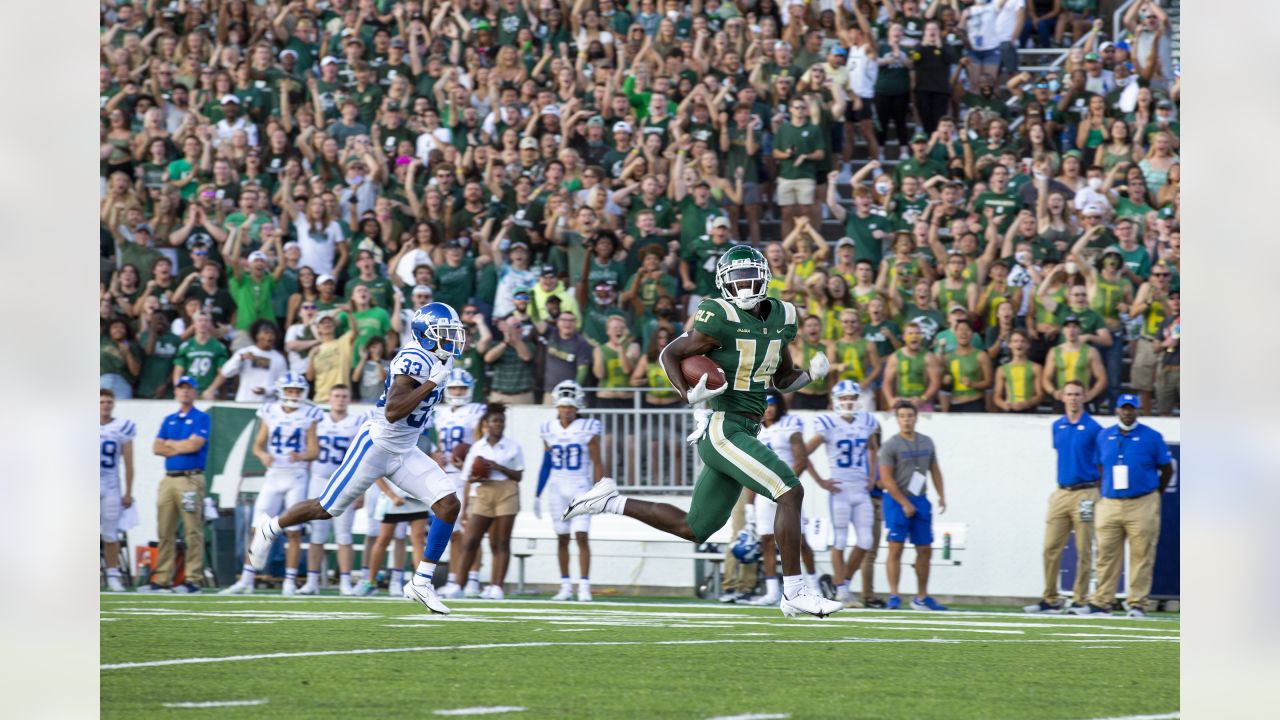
[846, 442]
[402, 435]
[287, 432]
[750, 349]
[567, 447]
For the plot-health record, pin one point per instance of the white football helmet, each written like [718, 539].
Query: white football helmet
[569, 393]
[292, 390]
[844, 398]
[459, 379]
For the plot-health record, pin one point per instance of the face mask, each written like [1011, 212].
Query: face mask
[1095, 183]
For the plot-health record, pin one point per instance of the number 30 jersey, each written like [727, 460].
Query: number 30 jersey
[401, 435]
[287, 432]
[334, 437]
[567, 446]
[750, 349]
[777, 437]
[846, 443]
[456, 425]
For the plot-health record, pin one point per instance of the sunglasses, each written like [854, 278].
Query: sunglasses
[1159, 274]
[308, 307]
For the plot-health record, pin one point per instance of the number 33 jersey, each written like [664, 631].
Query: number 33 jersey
[401, 435]
[750, 349]
[567, 447]
[287, 433]
[846, 442]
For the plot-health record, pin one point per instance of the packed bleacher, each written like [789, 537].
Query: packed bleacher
[970, 203]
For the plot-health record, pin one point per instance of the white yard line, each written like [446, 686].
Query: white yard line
[1108, 635]
[611, 643]
[215, 703]
[753, 716]
[482, 710]
[1162, 716]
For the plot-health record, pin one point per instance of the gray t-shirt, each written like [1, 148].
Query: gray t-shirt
[907, 457]
[563, 358]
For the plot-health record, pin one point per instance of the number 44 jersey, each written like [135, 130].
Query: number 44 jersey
[402, 435]
[287, 432]
[750, 349]
[846, 443]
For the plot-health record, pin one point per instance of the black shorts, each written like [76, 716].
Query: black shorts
[801, 401]
[973, 406]
[393, 518]
[863, 114]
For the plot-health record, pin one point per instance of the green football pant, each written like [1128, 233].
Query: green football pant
[732, 458]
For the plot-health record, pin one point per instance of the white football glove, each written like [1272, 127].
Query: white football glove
[699, 393]
[819, 366]
[701, 419]
[537, 507]
[439, 373]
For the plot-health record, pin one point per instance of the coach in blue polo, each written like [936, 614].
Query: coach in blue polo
[1071, 506]
[183, 442]
[1136, 468]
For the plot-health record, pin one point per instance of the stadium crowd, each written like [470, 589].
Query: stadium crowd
[283, 183]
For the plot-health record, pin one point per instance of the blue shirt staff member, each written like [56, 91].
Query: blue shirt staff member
[1071, 506]
[1136, 469]
[183, 442]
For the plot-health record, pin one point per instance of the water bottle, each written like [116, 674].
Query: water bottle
[1086, 511]
[946, 546]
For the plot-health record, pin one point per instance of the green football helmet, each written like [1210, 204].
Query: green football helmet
[742, 276]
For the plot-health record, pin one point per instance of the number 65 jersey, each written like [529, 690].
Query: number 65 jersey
[402, 435]
[846, 443]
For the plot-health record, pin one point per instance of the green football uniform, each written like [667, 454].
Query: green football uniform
[749, 353]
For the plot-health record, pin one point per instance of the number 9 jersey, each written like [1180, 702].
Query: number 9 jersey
[402, 435]
[750, 349]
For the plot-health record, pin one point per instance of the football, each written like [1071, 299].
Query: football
[480, 467]
[695, 366]
[459, 454]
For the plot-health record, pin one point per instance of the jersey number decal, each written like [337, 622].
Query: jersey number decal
[746, 364]
[852, 453]
[566, 457]
[451, 437]
[332, 448]
[109, 448]
[200, 366]
[411, 367]
[278, 443]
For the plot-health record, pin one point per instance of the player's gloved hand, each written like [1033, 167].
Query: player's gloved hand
[699, 393]
[439, 374]
[819, 366]
[701, 419]
[537, 507]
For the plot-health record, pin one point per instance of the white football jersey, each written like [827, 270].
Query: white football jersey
[846, 442]
[111, 440]
[777, 437]
[287, 432]
[568, 447]
[334, 437]
[400, 436]
[456, 425]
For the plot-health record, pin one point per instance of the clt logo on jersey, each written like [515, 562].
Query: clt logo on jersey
[704, 316]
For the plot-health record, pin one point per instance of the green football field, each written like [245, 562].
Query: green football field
[268, 656]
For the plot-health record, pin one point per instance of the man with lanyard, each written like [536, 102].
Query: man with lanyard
[1136, 469]
[183, 442]
[1075, 438]
[905, 460]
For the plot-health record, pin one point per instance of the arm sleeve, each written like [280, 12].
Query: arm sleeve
[543, 473]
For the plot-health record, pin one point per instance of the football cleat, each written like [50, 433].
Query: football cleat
[584, 594]
[566, 593]
[237, 588]
[114, 584]
[1137, 612]
[807, 603]
[492, 592]
[309, 589]
[451, 591]
[395, 589]
[927, 603]
[289, 589]
[592, 502]
[1044, 608]
[366, 589]
[767, 600]
[895, 603]
[874, 603]
[154, 588]
[187, 588]
[842, 595]
[1090, 609]
[259, 548]
[425, 594]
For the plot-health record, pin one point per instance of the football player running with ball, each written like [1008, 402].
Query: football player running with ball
[746, 333]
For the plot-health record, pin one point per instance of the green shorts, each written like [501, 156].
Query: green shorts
[732, 459]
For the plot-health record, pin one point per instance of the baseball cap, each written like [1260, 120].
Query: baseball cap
[1092, 211]
[1128, 399]
[845, 242]
[187, 380]
[623, 127]
[257, 255]
[291, 244]
[521, 294]
[518, 244]
[329, 60]
[422, 290]
[1106, 46]
[1091, 57]
[1070, 320]
[596, 121]
[551, 110]
[837, 50]
[289, 51]
[529, 143]
[547, 270]
[483, 24]
[720, 221]
[1122, 45]
[229, 98]
[393, 107]
[957, 307]
[919, 137]
[398, 43]
[1164, 105]
[1072, 153]
[324, 279]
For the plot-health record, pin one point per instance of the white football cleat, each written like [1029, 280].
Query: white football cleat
[394, 589]
[425, 594]
[842, 595]
[472, 590]
[237, 588]
[309, 589]
[492, 592]
[346, 591]
[289, 589]
[451, 591]
[592, 502]
[770, 600]
[584, 594]
[807, 603]
[114, 584]
[259, 548]
[566, 593]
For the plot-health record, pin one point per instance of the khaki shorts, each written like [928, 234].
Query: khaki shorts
[1142, 375]
[494, 498]
[795, 192]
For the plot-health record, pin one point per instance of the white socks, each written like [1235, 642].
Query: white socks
[113, 572]
[397, 577]
[615, 505]
[247, 575]
[792, 585]
[344, 581]
[811, 581]
[771, 586]
[424, 574]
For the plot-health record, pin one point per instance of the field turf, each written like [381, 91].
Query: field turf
[320, 657]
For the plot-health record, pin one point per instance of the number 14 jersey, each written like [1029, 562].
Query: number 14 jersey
[750, 349]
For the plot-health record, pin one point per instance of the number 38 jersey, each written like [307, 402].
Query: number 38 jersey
[777, 437]
[287, 433]
[456, 425]
[750, 349]
[567, 447]
[111, 440]
[846, 443]
[334, 437]
[402, 435]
